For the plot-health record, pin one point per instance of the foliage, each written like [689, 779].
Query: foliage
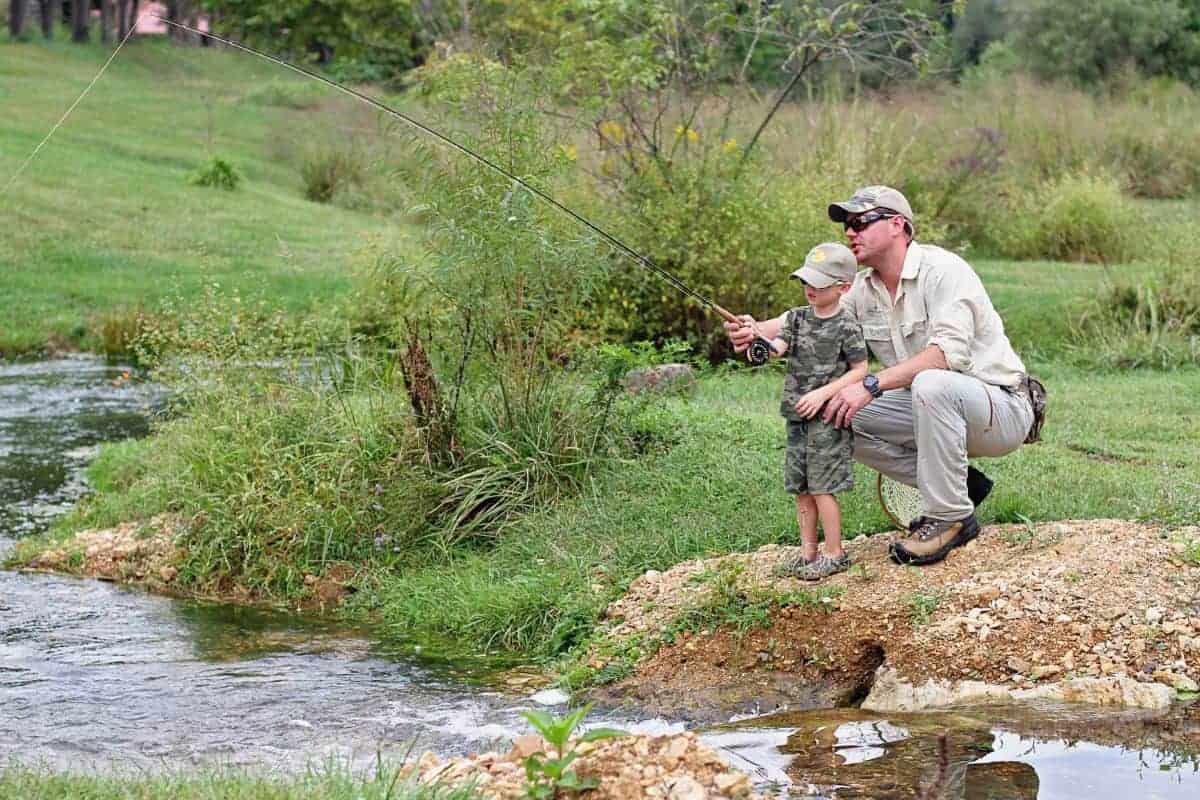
[383, 33]
[329, 170]
[1080, 217]
[551, 776]
[217, 173]
[728, 604]
[921, 606]
[1151, 323]
[1095, 41]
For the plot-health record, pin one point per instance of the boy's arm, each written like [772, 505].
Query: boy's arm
[745, 333]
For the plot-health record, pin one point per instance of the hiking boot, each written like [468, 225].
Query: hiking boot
[979, 486]
[822, 567]
[930, 539]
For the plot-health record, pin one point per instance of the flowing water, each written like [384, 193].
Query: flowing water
[94, 675]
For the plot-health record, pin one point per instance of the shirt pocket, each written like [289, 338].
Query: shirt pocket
[916, 335]
[879, 340]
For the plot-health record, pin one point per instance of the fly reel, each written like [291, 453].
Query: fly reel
[759, 352]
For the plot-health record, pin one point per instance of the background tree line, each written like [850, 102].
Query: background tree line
[382, 39]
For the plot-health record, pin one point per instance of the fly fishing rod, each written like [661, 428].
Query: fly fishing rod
[760, 349]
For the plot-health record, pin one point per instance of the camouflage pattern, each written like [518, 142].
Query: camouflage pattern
[817, 459]
[819, 351]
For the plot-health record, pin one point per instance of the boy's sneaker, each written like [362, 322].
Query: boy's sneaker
[979, 486]
[823, 566]
[929, 540]
[791, 567]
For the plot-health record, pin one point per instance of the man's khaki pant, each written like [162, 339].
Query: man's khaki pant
[924, 435]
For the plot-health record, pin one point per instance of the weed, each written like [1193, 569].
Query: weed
[921, 606]
[551, 776]
[217, 173]
[1073, 576]
[729, 605]
[1189, 549]
[1023, 537]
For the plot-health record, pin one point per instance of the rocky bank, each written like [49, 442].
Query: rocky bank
[1099, 611]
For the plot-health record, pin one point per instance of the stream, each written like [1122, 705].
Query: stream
[99, 676]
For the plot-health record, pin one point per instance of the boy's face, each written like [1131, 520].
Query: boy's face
[825, 297]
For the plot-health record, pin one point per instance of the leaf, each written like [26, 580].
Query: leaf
[601, 733]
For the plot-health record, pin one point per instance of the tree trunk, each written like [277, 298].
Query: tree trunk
[80, 11]
[16, 18]
[106, 20]
[48, 18]
[122, 19]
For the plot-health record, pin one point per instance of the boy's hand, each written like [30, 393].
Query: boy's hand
[810, 405]
[741, 335]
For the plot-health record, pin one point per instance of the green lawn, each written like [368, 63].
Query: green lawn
[104, 222]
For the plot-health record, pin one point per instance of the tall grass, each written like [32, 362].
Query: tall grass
[333, 782]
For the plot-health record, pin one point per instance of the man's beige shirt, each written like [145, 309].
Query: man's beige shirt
[940, 301]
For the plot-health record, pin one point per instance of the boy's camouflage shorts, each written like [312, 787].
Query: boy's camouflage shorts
[817, 460]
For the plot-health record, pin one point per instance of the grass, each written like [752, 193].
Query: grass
[330, 783]
[104, 223]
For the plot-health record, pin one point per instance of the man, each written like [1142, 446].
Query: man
[951, 387]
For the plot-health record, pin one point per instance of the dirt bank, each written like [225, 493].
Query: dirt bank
[1104, 611]
[147, 554]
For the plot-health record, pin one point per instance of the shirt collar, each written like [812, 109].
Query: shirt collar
[910, 270]
[912, 261]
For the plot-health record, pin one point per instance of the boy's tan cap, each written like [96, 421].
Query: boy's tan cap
[870, 197]
[827, 264]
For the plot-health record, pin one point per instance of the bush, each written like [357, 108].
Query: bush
[1080, 217]
[1153, 323]
[217, 173]
[329, 170]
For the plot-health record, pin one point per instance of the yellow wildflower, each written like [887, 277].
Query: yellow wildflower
[612, 131]
[730, 145]
[569, 151]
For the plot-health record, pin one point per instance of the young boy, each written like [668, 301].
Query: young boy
[825, 352]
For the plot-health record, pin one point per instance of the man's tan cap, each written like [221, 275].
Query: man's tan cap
[827, 264]
[870, 197]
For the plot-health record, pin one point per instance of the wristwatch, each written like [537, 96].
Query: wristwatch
[871, 384]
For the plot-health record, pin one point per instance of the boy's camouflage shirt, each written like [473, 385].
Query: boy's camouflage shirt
[819, 351]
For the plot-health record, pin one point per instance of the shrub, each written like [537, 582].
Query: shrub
[216, 173]
[1154, 323]
[328, 170]
[1080, 217]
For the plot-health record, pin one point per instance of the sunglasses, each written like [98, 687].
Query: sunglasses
[861, 222]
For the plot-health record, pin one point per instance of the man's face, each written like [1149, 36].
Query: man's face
[870, 234]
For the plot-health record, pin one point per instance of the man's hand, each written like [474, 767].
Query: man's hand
[741, 333]
[845, 404]
[810, 405]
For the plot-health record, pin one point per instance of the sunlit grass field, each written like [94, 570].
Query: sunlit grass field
[104, 222]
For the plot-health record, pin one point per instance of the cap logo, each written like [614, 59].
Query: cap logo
[817, 256]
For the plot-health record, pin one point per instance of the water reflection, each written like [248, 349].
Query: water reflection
[986, 754]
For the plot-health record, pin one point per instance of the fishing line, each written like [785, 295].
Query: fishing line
[758, 352]
[67, 113]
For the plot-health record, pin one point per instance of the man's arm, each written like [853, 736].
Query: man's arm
[900, 376]
[853, 398]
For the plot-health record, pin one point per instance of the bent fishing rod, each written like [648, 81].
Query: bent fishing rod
[760, 349]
